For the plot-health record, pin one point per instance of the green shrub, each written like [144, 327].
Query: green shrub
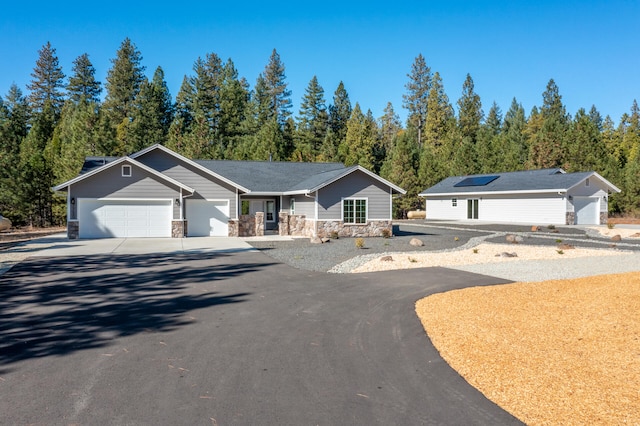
[551, 227]
[560, 251]
[475, 251]
[412, 260]
[611, 225]
[359, 243]
[386, 233]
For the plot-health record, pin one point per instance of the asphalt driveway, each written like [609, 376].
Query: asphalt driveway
[224, 338]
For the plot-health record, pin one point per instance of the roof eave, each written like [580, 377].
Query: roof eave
[530, 191]
[352, 169]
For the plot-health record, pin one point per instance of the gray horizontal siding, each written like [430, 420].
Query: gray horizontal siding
[355, 185]
[111, 184]
[205, 185]
[305, 206]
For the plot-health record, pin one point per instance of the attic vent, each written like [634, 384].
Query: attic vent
[476, 181]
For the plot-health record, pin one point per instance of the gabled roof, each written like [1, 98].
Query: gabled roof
[268, 176]
[529, 181]
[193, 163]
[314, 183]
[254, 177]
[113, 163]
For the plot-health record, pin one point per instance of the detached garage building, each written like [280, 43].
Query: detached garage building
[548, 196]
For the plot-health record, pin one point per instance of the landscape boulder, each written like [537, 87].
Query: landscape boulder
[4, 223]
[505, 254]
[514, 239]
[416, 242]
[386, 259]
[616, 238]
[315, 240]
[565, 246]
[535, 228]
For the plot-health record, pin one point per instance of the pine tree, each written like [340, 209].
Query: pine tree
[440, 117]
[489, 146]
[390, 126]
[312, 122]
[470, 111]
[14, 118]
[400, 167]
[358, 147]
[514, 140]
[151, 118]
[417, 96]
[586, 151]
[234, 99]
[275, 85]
[47, 82]
[339, 114]
[124, 81]
[548, 145]
[83, 84]
[182, 119]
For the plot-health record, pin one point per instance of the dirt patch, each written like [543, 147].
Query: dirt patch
[631, 233]
[554, 352]
[624, 220]
[483, 253]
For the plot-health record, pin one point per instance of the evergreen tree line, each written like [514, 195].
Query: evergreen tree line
[46, 134]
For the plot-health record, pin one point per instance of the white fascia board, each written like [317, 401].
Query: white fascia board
[458, 194]
[352, 169]
[120, 161]
[191, 162]
[271, 194]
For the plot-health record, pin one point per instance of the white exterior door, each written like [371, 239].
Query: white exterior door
[587, 210]
[207, 218]
[124, 218]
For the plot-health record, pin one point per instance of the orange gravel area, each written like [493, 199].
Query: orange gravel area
[554, 352]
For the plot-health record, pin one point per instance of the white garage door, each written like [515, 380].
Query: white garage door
[587, 210]
[207, 218]
[124, 218]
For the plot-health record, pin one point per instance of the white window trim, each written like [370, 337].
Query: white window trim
[366, 210]
[273, 213]
[127, 166]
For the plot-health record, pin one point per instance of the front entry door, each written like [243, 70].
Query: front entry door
[472, 209]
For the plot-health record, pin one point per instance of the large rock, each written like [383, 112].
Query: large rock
[535, 228]
[386, 259]
[514, 239]
[416, 242]
[616, 238]
[564, 246]
[505, 254]
[4, 223]
[315, 240]
[417, 214]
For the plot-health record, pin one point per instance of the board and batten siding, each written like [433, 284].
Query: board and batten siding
[519, 208]
[206, 186]
[355, 185]
[111, 184]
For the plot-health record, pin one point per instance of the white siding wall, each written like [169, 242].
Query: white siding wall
[544, 209]
[595, 189]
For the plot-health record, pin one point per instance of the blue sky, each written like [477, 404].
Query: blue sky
[510, 48]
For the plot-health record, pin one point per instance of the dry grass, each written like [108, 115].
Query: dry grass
[555, 352]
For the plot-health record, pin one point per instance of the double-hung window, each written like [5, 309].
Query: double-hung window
[354, 210]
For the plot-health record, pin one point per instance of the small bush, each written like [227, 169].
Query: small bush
[359, 243]
[334, 235]
[386, 233]
[560, 251]
[551, 227]
[475, 251]
[412, 260]
[456, 239]
[611, 225]
[558, 241]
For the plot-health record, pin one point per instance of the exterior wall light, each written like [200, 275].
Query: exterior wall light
[178, 202]
[73, 200]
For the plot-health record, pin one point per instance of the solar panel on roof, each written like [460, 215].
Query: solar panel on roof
[476, 181]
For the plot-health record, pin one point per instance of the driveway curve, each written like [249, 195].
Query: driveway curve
[225, 338]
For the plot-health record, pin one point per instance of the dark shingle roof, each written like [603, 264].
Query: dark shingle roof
[530, 180]
[273, 176]
[91, 163]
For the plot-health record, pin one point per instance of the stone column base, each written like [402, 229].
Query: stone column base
[178, 228]
[73, 230]
[570, 218]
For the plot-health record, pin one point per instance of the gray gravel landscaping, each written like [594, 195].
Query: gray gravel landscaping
[342, 255]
